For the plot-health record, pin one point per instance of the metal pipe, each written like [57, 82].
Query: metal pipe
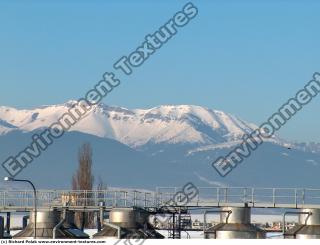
[35, 206]
[34, 201]
[8, 223]
[1, 227]
[118, 228]
[98, 222]
[101, 214]
[54, 232]
[179, 223]
[83, 220]
[291, 212]
[173, 225]
[213, 211]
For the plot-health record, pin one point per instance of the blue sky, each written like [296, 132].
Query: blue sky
[242, 57]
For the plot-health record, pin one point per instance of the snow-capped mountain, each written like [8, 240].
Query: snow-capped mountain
[6, 127]
[165, 145]
[185, 124]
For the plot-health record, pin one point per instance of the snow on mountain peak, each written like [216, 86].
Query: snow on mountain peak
[163, 124]
[6, 127]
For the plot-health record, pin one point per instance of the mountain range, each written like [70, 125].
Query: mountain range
[165, 145]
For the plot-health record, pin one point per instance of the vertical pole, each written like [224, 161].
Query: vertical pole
[160, 199]
[4, 199]
[26, 199]
[8, 222]
[99, 225]
[252, 196]
[125, 198]
[105, 194]
[83, 220]
[35, 209]
[134, 198]
[115, 199]
[274, 197]
[179, 224]
[226, 195]
[95, 198]
[145, 200]
[154, 199]
[1, 227]
[173, 225]
[284, 224]
[86, 197]
[101, 213]
[198, 198]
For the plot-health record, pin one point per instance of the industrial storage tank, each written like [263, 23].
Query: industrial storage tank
[235, 223]
[52, 224]
[128, 223]
[308, 226]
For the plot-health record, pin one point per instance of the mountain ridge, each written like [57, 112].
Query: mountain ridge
[164, 145]
[170, 124]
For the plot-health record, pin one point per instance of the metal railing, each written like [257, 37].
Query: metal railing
[57, 198]
[255, 197]
[163, 196]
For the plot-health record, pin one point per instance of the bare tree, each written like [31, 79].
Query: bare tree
[83, 180]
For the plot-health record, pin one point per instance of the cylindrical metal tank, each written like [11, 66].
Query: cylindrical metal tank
[235, 215]
[235, 224]
[128, 217]
[47, 220]
[309, 217]
[124, 223]
[308, 226]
